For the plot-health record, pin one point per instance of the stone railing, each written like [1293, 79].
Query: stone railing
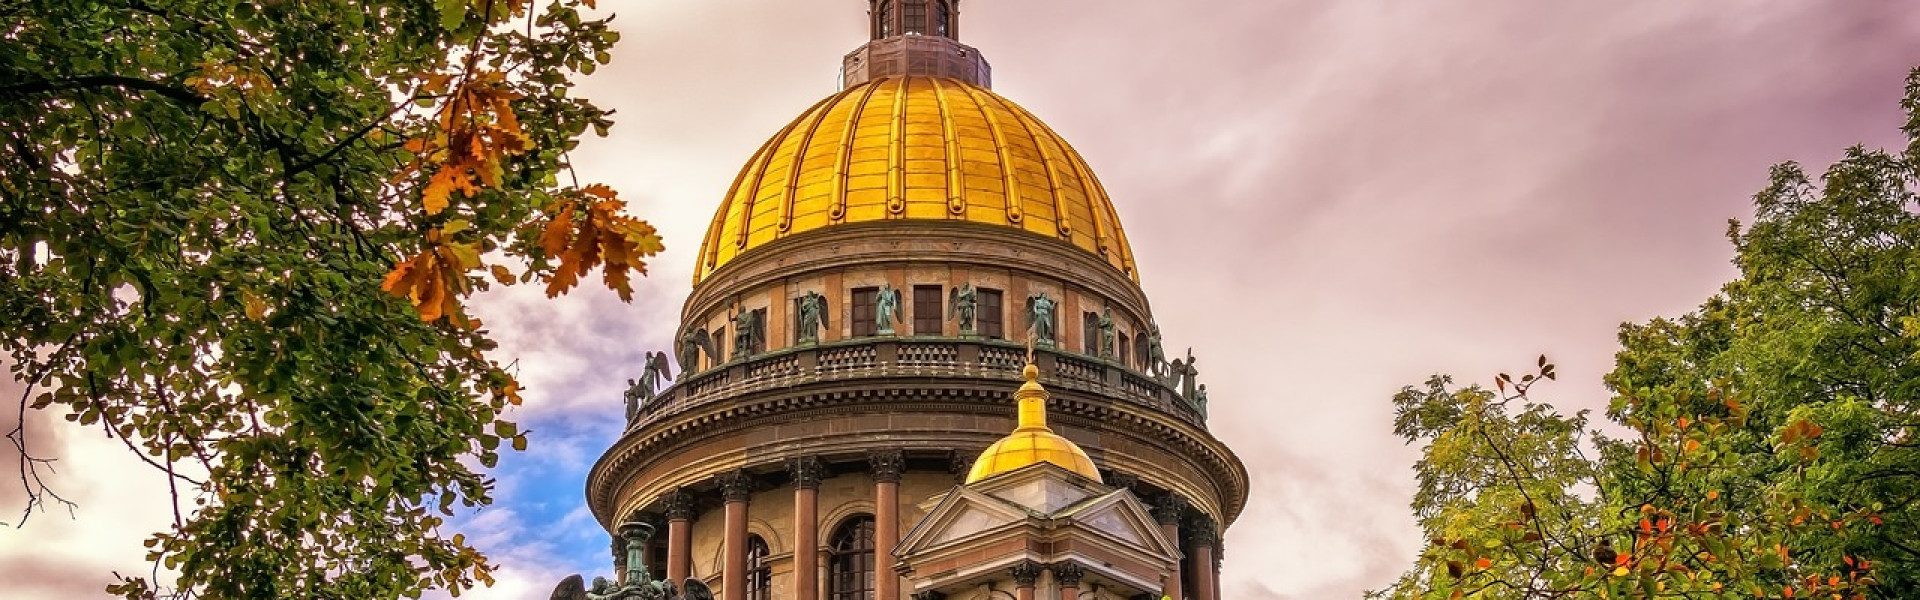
[881, 357]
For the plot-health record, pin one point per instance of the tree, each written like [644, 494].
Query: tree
[236, 237]
[1771, 447]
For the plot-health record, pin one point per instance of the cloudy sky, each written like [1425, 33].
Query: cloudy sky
[1382, 190]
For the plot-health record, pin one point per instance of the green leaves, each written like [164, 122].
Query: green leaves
[199, 207]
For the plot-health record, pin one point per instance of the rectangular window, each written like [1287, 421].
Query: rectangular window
[988, 315]
[1120, 346]
[1090, 333]
[926, 309]
[863, 313]
[721, 343]
[759, 342]
[915, 13]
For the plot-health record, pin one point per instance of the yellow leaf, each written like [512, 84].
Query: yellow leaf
[1620, 572]
[434, 198]
[255, 306]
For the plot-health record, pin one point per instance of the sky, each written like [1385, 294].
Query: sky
[1378, 190]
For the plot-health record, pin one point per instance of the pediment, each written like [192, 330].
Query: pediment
[962, 514]
[1121, 516]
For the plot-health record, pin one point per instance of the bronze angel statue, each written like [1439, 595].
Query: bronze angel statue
[965, 302]
[692, 343]
[1040, 308]
[886, 308]
[653, 376]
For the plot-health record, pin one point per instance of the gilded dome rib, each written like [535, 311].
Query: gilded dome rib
[956, 206]
[896, 152]
[843, 166]
[1060, 213]
[800, 159]
[914, 148]
[1016, 209]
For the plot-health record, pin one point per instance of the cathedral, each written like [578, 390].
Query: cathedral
[917, 363]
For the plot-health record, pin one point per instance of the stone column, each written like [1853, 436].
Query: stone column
[1168, 511]
[1067, 575]
[1024, 576]
[679, 508]
[1203, 565]
[806, 473]
[887, 467]
[736, 487]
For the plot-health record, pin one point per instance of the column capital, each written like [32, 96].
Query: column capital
[1124, 481]
[735, 485]
[677, 505]
[1169, 508]
[1025, 573]
[887, 465]
[1067, 573]
[806, 471]
[1204, 532]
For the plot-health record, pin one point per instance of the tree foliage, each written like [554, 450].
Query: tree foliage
[1771, 446]
[236, 236]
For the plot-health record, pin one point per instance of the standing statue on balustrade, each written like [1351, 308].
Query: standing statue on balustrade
[1040, 309]
[886, 308]
[1156, 354]
[1106, 333]
[691, 344]
[1189, 376]
[813, 316]
[653, 376]
[748, 332]
[964, 301]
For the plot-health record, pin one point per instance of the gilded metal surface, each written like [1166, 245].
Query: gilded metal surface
[915, 148]
[1032, 442]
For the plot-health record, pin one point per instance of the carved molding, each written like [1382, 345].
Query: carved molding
[1223, 478]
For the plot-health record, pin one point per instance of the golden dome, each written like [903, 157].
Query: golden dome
[1032, 442]
[915, 148]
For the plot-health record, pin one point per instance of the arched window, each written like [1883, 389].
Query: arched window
[850, 564]
[942, 18]
[883, 20]
[759, 570]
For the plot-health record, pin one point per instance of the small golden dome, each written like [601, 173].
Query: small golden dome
[915, 148]
[1032, 442]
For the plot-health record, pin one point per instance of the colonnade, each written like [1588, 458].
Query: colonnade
[1201, 548]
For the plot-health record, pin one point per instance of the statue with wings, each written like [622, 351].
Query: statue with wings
[886, 308]
[964, 302]
[653, 377]
[1040, 309]
[692, 343]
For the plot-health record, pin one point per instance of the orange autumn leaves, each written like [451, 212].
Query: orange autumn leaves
[476, 133]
